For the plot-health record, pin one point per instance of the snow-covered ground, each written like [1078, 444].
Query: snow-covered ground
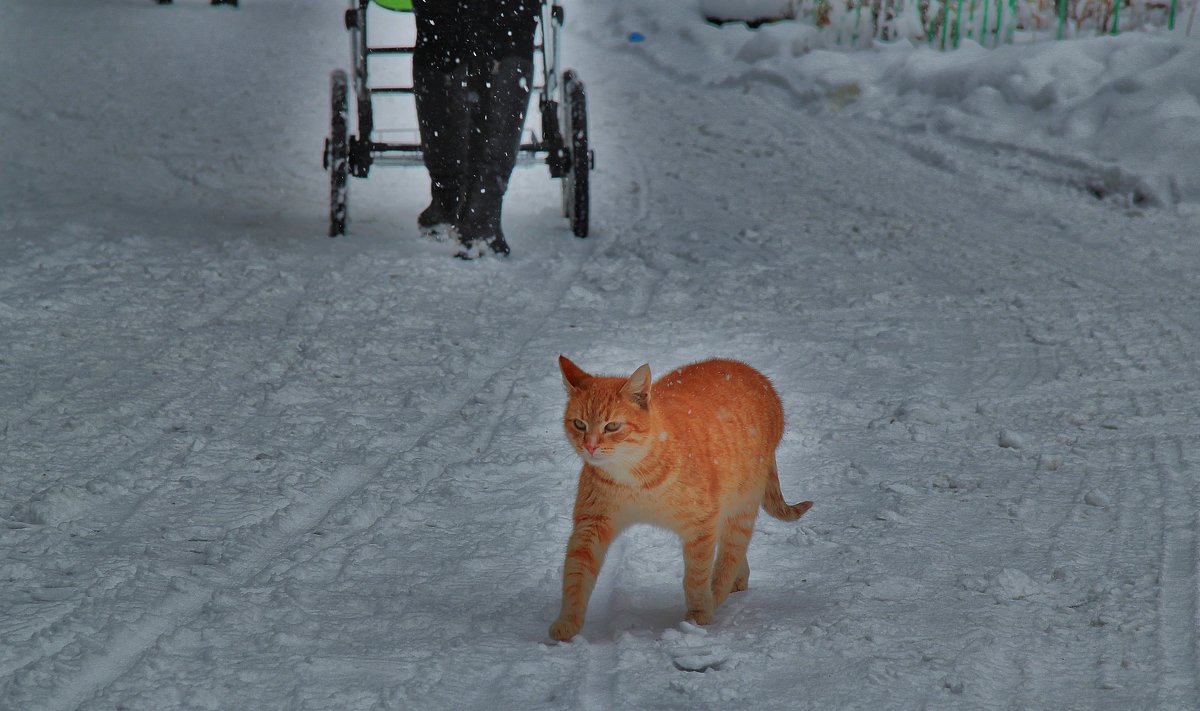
[244, 466]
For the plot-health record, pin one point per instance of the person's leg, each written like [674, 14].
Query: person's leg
[501, 80]
[440, 90]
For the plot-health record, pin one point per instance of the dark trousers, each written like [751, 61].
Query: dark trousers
[451, 33]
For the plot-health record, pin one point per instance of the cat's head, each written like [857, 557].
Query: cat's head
[608, 420]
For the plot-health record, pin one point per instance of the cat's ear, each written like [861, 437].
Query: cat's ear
[637, 388]
[573, 376]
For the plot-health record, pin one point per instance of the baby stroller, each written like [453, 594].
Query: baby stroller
[561, 100]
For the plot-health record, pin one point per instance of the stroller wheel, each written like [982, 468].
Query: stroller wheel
[337, 154]
[575, 182]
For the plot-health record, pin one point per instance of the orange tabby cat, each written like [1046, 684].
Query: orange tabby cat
[694, 452]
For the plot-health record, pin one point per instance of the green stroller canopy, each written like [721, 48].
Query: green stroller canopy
[395, 4]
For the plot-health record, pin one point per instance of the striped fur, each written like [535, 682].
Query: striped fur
[693, 452]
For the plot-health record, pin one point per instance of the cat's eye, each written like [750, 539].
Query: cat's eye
[613, 426]
[580, 425]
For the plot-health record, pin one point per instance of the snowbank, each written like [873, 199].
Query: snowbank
[1120, 112]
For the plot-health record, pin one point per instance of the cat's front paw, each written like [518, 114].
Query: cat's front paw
[564, 629]
[700, 617]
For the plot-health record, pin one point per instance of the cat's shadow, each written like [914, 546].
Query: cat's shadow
[653, 612]
[640, 591]
[626, 614]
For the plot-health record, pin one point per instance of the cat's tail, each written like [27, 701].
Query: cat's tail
[774, 504]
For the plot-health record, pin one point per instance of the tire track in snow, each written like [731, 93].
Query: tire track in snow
[156, 354]
[116, 456]
[102, 666]
[1179, 579]
[283, 531]
[597, 685]
[152, 450]
[1126, 550]
[177, 606]
[156, 451]
[226, 303]
[1111, 521]
[644, 290]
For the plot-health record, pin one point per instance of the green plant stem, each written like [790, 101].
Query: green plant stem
[958, 24]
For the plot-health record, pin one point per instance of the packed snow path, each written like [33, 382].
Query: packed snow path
[246, 466]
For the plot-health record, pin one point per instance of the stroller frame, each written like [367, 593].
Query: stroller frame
[563, 105]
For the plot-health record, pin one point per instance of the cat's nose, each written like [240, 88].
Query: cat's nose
[591, 446]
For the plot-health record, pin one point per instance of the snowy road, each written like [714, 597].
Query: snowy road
[243, 466]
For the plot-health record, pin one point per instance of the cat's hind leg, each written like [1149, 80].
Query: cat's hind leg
[742, 581]
[732, 569]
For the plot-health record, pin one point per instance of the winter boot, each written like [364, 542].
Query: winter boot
[497, 117]
[442, 117]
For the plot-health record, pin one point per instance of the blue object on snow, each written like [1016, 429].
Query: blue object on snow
[636, 37]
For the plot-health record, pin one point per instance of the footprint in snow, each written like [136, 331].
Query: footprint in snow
[692, 651]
